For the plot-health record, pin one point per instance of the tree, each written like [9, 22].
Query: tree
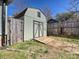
[48, 13]
[65, 16]
[21, 5]
[8, 1]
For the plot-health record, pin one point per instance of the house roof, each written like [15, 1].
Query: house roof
[52, 21]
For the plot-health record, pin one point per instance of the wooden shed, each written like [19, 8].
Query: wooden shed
[52, 27]
[28, 24]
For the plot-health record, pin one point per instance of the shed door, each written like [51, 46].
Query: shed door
[41, 29]
[37, 29]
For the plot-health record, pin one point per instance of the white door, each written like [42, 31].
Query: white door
[41, 29]
[37, 29]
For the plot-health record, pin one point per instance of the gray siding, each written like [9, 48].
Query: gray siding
[15, 30]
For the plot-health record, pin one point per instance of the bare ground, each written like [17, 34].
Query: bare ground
[62, 45]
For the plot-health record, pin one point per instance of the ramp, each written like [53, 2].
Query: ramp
[66, 46]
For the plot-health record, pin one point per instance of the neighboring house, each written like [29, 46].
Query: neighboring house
[28, 24]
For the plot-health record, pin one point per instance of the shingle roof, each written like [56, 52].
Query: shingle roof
[52, 21]
[21, 13]
[18, 15]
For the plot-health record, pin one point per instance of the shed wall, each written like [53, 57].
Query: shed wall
[15, 30]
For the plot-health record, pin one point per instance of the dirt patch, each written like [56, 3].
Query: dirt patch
[66, 46]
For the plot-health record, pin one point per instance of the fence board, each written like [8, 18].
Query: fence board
[70, 27]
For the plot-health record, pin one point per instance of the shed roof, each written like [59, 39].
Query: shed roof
[52, 21]
[18, 15]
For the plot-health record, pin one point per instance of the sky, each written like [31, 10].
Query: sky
[56, 6]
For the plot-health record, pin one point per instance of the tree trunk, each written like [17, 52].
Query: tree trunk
[3, 23]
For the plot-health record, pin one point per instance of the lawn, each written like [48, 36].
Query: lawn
[34, 50]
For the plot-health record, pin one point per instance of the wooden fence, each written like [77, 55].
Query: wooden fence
[69, 27]
[15, 30]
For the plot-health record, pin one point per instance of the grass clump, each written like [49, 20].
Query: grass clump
[12, 55]
[25, 45]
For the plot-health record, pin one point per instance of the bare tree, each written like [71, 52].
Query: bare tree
[20, 6]
[9, 1]
[48, 13]
[74, 6]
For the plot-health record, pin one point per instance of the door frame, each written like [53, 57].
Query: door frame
[9, 33]
[38, 29]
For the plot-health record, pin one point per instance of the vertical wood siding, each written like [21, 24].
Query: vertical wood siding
[16, 30]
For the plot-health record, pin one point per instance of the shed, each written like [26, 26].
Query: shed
[28, 24]
[52, 27]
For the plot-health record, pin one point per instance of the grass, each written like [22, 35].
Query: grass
[12, 55]
[34, 50]
[71, 39]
